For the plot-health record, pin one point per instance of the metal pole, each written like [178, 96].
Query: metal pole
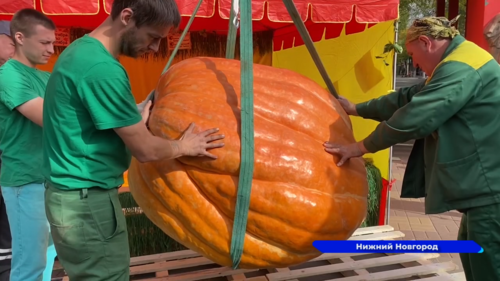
[394, 75]
[301, 27]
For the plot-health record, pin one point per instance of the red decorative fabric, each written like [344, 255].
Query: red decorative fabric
[326, 17]
[64, 7]
[317, 11]
[11, 6]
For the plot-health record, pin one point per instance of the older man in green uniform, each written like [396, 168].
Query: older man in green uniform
[453, 116]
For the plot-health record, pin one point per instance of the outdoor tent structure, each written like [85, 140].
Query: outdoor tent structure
[349, 35]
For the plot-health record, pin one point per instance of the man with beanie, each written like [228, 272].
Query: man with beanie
[6, 52]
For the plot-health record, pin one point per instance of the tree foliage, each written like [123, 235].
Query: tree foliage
[410, 10]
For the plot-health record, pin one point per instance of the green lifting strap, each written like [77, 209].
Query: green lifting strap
[292, 10]
[247, 133]
[247, 127]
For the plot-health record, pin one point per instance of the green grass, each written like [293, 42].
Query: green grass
[374, 192]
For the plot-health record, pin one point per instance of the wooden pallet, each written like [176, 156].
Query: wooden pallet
[190, 266]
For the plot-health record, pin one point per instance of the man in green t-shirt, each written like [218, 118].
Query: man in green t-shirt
[453, 117]
[6, 52]
[92, 127]
[22, 88]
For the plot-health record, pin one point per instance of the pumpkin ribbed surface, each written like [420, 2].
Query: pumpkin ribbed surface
[298, 193]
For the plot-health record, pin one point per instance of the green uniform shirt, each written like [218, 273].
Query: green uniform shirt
[20, 138]
[456, 111]
[87, 96]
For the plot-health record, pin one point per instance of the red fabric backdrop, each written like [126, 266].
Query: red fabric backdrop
[322, 17]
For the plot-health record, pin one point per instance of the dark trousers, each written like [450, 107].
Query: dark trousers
[5, 243]
[482, 225]
[4, 272]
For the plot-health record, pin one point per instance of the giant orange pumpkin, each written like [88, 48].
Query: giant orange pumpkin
[298, 193]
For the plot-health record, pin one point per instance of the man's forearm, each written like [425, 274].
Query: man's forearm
[382, 108]
[160, 149]
[384, 136]
[167, 149]
[375, 109]
[33, 110]
[146, 147]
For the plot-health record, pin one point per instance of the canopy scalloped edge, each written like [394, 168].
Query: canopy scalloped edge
[317, 11]
[322, 11]
[289, 37]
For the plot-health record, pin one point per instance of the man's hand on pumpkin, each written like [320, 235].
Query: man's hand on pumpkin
[349, 107]
[345, 152]
[197, 144]
[146, 111]
[149, 98]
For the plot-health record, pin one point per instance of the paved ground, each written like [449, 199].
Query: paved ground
[407, 215]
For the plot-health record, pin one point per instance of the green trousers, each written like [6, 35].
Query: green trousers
[482, 225]
[89, 232]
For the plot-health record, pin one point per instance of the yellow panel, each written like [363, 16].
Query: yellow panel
[358, 75]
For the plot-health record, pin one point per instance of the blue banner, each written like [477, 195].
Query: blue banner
[397, 246]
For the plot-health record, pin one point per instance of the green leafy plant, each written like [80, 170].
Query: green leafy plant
[388, 48]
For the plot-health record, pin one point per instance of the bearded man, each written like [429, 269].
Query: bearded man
[92, 127]
[453, 116]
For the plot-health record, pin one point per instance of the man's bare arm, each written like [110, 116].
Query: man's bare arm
[33, 110]
[146, 147]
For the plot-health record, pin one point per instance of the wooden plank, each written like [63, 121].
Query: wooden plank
[169, 265]
[372, 230]
[359, 272]
[361, 264]
[177, 255]
[403, 273]
[380, 236]
[236, 277]
[257, 278]
[192, 262]
[459, 276]
[203, 274]
[426, 262]
[328, 257]
[331, 256]
[275, 270]
[160, 273]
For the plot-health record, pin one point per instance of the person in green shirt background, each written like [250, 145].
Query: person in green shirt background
[92, 127]
[22, 88]
[6, 52]
[453, 116]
